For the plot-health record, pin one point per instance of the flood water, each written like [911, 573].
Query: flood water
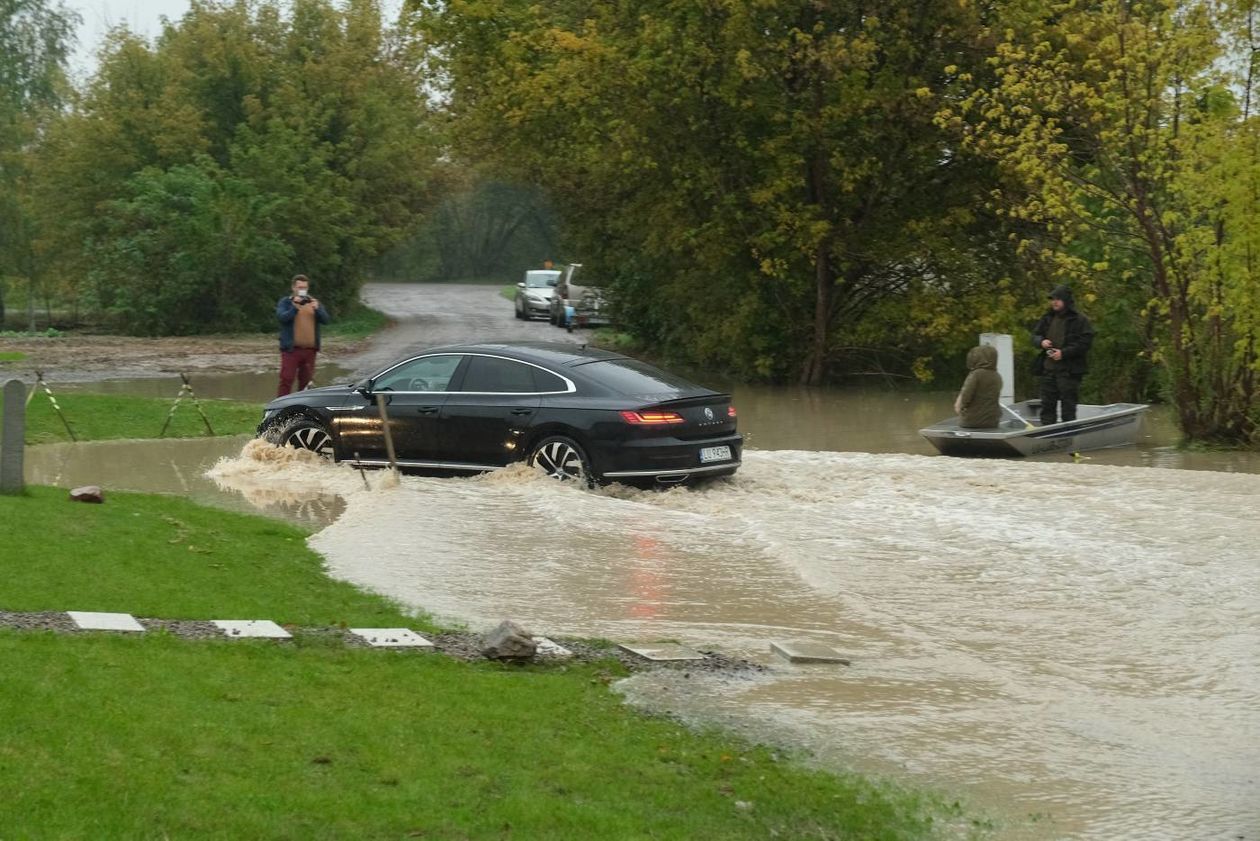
[1073, 648]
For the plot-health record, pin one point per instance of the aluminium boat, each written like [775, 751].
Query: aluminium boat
[1096, 427]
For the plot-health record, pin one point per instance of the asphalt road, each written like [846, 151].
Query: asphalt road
[429, 314]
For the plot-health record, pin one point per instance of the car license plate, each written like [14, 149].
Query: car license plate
[709, 454]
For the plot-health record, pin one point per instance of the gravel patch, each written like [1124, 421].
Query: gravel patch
[38, 622]
[460, 645]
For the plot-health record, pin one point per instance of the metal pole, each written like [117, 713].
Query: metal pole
[197, 404]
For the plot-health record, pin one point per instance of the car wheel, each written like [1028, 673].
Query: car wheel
[562, 459]
[302, 433]
[519, 313]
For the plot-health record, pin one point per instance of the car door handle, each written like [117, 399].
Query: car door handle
[522, 411]
[428, 410]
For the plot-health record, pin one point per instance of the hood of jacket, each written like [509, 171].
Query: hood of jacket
[1064, 294]
[982, 356]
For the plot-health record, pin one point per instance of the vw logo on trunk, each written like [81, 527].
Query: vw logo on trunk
[708, 413]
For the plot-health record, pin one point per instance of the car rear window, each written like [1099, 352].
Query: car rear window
[630, 376]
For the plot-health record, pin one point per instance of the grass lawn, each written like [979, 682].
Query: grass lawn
[165, 557]
[356, 322]
[100, 417]
[11, 356]
[148, 737]
[508, 292]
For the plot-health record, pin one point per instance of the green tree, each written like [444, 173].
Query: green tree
[1135, 170]
[249, 142]
[754, 179]
[35, 37]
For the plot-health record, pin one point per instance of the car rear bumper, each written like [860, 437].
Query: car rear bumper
[666, 458]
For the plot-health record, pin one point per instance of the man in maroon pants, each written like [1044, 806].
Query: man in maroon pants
[300, 316]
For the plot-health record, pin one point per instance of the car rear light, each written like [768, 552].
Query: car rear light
[730, 411]
[652, 418]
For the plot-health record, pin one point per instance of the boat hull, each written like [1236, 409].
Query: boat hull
[1096, 428]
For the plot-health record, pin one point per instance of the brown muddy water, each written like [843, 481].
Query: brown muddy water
[1072, 648]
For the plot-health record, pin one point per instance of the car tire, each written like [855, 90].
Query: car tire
[520, 313]
[302, 433]
[562, 459]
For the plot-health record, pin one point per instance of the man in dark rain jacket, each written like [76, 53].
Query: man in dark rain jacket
[1063, 337]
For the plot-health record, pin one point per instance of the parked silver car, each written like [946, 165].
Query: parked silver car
[533, 294]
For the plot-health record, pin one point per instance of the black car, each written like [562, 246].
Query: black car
[575, 413]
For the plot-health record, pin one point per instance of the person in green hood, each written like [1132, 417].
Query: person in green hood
[977, 403]
[1063, 336]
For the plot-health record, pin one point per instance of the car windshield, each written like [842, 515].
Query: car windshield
[541, 279]
[630, 376]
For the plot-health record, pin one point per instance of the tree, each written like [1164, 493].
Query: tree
[250, 142]
[756, 178]
[35, 38]
[1135, 167]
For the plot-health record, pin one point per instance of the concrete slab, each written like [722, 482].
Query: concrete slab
[260, 628]
[391, 638]
[808, 652]
[665, 652]
[90, 621]
[549, 648]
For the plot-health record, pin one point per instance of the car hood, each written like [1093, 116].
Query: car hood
[329, 394]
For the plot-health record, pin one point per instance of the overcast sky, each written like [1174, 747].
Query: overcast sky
[141, 16]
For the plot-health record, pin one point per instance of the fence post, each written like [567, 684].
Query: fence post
[13, 438]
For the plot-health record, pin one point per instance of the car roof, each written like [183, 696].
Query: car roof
[554, 353]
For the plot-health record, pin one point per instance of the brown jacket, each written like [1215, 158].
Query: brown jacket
[978, 401]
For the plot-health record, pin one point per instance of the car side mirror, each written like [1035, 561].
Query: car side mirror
[520, 285]
[364, 388]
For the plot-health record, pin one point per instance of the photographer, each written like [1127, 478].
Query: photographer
[1063, 336]
[300, 316]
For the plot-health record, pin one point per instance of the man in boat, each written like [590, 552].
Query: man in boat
[1063, 337]
[977, 403]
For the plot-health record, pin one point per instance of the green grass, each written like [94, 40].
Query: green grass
[100, 417]
[152, 738]
[11, 356]
[356, 322]
[146, 737]
[166, 557]
[508, 292]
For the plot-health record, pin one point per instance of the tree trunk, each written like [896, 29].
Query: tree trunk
[815, 370]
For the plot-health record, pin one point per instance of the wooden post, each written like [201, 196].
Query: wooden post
[389, 437]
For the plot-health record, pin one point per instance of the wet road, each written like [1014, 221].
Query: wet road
[428, 314]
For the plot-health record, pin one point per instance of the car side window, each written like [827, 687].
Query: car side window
[498, 376]
[428, 373]
[547, 381]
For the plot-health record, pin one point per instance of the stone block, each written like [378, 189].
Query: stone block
[12, 437]
[90, 621]
[808, 652]
[665, 652]
[391, 638]
[258, 628]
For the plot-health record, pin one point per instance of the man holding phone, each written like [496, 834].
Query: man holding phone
[1063, 338]
[300, 316]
